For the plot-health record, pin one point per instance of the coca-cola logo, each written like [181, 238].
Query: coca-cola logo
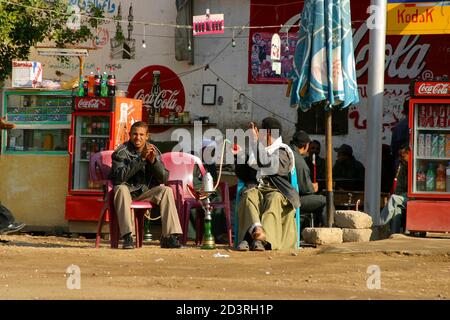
[17, 64]
[170, 97]
[165, 99]
[91, 104]
[433, 89]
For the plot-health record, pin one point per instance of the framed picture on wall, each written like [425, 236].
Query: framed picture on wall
[209, 94]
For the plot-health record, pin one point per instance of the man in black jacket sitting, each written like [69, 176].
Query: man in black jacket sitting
[137, 173]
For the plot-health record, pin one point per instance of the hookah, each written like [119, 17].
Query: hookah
[207, 190]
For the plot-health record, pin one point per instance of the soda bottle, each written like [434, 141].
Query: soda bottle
[91, 84]
[448, 178]
[421, 179]
[97, 83]
[440, 178]
[104, 86]
[154, 93]
[111, 83]
[84, 128]
[431, 178]
[83, 151]
[81, 87]
[89, 127]
[86, 86]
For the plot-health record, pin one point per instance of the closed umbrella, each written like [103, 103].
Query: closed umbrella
[324, 68]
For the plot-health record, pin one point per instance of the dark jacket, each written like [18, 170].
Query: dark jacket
[402, 179]
[139, 175]
[305, 185]
[280, 180]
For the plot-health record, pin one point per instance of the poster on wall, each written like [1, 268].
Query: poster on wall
[261, 66]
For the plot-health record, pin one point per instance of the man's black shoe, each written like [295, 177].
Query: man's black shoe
[128, 242]
[170, 242]
[13, 227]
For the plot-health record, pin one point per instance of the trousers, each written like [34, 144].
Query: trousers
[316, 204]
[273, 211]
[159, 195]
[392, 212]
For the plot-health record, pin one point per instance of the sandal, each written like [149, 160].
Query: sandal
[257, 245]
[259, 234]
[243, 246]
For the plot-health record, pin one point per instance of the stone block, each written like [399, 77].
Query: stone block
[322, 235]
[352, 219]
[356, 235]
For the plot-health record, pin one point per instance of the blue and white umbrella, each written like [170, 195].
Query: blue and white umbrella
[324, 68]
[324, 62]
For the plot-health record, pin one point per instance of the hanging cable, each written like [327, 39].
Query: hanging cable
[250, 99]
[144, 45]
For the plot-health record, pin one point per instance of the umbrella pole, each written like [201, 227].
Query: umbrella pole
[329, 171]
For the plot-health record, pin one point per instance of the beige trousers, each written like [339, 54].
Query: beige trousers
[160, 195]
[272, 209]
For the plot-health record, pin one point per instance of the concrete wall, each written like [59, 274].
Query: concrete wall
[34, 188]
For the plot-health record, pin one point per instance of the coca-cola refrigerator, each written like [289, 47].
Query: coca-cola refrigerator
[428, 208]
[98, 123]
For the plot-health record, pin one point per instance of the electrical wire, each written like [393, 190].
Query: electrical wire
[250, 99]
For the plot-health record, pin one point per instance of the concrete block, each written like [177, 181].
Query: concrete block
[356, 235]
[322, 235]
[352, 219]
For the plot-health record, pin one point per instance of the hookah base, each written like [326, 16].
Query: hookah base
[208, 243]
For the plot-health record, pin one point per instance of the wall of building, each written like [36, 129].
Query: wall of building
[34, 188]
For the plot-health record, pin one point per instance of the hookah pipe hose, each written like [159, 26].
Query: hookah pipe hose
[199, 195]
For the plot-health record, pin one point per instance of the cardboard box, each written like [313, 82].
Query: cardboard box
[26, 74]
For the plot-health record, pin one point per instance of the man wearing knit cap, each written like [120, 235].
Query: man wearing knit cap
[311, 202]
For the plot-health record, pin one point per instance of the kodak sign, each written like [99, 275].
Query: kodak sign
[418, 17]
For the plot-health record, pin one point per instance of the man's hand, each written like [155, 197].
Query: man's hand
[145, 151]
[252, 126]
[151, 156]
[316, 187]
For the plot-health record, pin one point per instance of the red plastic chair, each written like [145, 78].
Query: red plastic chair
[181, 173]
[100, 166]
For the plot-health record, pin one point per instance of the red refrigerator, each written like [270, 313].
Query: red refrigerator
[98, 123]
[428, 208]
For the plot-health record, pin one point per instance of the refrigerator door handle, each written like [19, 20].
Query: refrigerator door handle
[70, 147]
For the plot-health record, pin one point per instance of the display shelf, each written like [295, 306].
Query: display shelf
[432, 158]
[432, 129]
[168, 125]
[94, 136]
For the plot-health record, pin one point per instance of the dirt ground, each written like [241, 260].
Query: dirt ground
[33, 267]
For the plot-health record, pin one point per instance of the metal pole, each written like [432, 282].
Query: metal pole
[375, 87]
[329, 165]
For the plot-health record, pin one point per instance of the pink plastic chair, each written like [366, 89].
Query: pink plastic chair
[181, 173]
[100, 166]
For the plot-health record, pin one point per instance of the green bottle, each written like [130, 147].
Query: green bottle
[104, 86]
[81, 87]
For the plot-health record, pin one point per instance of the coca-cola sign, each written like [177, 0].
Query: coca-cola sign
[92, 104]
[431, 89]
[171, 97]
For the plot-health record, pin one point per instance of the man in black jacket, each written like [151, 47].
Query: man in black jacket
[137, 173]
[311, 202]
